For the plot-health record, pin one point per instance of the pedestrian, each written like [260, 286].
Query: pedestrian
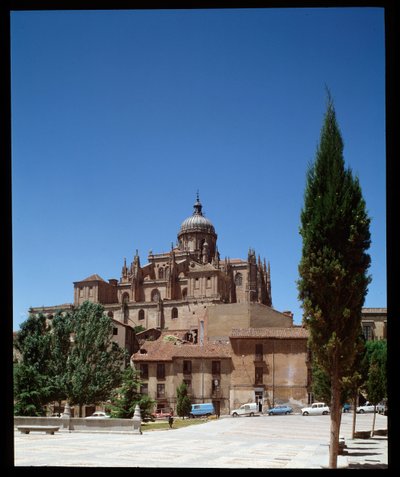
[171, 418]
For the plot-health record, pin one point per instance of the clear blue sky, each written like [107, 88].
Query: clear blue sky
[118, 117]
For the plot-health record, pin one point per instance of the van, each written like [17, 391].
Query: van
[249, 409]
[203, 409]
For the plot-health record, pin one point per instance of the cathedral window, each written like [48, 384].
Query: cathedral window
[184, 293]
[90, 291]
[161, 273]
[125, 298]
[81, 291]
[197, 283]
[238, 279]
[155, 295]
[174, 313]
[208, 282]
[141, 315]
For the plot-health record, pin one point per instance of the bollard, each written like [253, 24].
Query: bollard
[137, 420]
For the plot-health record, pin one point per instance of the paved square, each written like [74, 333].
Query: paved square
[292, 441]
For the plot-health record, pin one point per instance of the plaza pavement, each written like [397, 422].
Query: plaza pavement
[273, 442]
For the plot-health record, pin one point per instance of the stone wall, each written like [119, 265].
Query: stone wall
[82, 424]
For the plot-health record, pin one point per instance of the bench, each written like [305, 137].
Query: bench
[47, 429]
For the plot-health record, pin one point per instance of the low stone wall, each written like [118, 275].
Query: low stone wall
[82, 424]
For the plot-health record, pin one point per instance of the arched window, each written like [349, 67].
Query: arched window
[174, 313]
[238, 279]
[141, 315]
[155, 295]
[161, 273]
[184, 293]
[110, 314]
[125, 298]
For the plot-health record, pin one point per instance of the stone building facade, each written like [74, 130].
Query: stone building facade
[209, 309]
[173, 289]
[264, 365]
[374, 323]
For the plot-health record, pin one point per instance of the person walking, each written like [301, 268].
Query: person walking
[171, 418]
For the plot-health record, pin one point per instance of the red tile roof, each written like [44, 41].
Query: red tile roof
[160, 350]
[92, 278]
[279, 333]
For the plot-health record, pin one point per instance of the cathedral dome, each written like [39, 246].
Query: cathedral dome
[197, 222]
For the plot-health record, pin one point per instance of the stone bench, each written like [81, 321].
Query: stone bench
[342, 445]
[47, 429]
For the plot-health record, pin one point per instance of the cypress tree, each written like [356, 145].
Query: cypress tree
[183, 405]
[333, 268]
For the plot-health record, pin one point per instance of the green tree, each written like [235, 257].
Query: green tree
[61, 344]
[183, 405]
[95, 362]
[31, 375]
[376, 382]
[333, 280]
[126, 397]
[321, 384]
[355, 376]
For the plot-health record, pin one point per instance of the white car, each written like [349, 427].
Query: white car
[316, 409]
[249, 409]
[367, 407]
[99, 415]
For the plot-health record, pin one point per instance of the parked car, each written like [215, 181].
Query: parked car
[273, 411]
[98, 415]
[381, 408]
[367, 407]
[346, 407]
[203, 409]
[249, 409]
[161, 414]
[316, 409]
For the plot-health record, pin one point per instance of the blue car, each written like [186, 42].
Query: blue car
[273, 411]
[203, 409]
[346, 407]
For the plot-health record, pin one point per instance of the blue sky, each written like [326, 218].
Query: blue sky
[119, 117]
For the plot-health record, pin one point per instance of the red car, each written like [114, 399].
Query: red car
[161, 414]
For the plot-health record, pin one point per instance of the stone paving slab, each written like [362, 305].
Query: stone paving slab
[285, 442]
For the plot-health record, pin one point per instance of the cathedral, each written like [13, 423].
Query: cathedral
[207, 322]
[172, 289]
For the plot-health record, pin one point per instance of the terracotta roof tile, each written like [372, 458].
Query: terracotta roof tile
[166, 351]
[279, 333]
[92, 278]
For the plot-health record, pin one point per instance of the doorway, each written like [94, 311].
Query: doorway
[259, 400]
